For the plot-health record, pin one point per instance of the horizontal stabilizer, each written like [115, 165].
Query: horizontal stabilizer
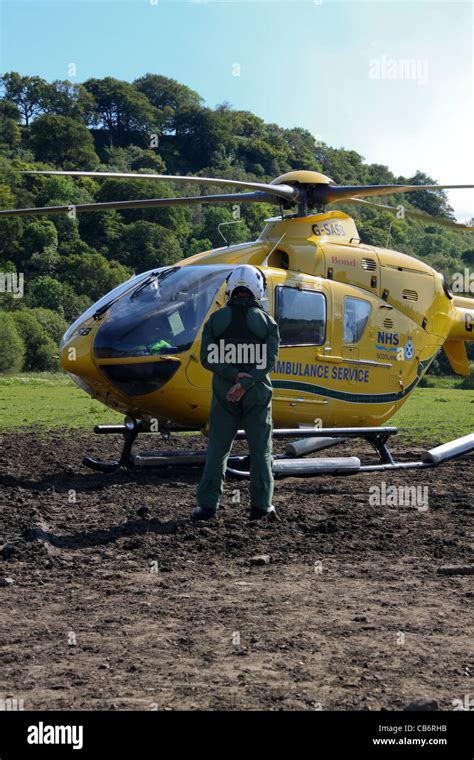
[456, 352]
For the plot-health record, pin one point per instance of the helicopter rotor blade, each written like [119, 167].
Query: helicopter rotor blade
[306, 194]
[338, 193]
[285, 192]
[257, 197]
[413, 214]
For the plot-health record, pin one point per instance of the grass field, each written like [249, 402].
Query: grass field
[49, 401]
[52, 401]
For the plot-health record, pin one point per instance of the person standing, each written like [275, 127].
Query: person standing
[239, 346]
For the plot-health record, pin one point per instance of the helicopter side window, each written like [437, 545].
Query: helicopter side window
[301, 317]
[356, 316]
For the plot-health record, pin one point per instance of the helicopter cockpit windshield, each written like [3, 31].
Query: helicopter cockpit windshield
[162, 316]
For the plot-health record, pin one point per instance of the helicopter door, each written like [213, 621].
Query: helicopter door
[360, 349]
[356, 313]
[303, 314]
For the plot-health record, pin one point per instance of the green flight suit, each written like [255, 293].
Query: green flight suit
[242, 321]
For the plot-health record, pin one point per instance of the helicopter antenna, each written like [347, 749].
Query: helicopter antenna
[388, 234]
[223, 224]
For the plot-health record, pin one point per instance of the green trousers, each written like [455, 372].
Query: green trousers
[253, 413]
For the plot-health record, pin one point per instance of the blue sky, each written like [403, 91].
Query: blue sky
[392, 80]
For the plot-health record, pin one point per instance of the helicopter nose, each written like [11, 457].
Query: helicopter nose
[76, 356]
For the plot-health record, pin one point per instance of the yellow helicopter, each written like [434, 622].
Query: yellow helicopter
[359, 325]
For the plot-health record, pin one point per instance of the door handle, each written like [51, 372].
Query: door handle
[329, 358]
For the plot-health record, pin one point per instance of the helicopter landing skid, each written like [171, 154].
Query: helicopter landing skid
[290, 464]
[284, 467]
[130, 430]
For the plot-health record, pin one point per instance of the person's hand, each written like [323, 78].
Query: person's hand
[235, 393]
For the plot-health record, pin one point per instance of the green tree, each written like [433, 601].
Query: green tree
[64, 142]
[149, 162]
[168, 96]
[123, 111]
[98, 230]
[133, 158]
[344, 166]
[197, 246]
[200, 132]
[38, 235]
[58, 296]
[40, 349]
[57, 190]
[91, 274]
[74, 305]
[372, 234]
[63, 98]
[44, 262]
[254, 215]
[9, 110]
[377, 174]
[468, 257]
[434, 202]
[10, 132]
[173, 217]
[47, 292]
[234, 233]
[52, 322]
[12, 348]
[260, 157]
[144, 246]
[25, 92]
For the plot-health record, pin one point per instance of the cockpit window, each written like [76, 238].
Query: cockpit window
[115, 293]
[164, 317]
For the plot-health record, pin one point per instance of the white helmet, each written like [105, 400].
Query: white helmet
[247, 276]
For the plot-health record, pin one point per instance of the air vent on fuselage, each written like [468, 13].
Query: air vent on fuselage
[370, 265]
[409, 295]
[388, 323]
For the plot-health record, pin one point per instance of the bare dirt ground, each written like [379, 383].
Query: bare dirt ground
[119, 601]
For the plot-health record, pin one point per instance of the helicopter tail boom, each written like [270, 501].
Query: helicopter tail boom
[463, 325]
[462, 332]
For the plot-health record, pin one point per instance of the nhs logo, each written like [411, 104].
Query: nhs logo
[388, 339]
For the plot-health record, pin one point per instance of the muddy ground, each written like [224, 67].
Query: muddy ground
[119, 601]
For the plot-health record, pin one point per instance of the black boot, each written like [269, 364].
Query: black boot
[259, 514]
[204, 513]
